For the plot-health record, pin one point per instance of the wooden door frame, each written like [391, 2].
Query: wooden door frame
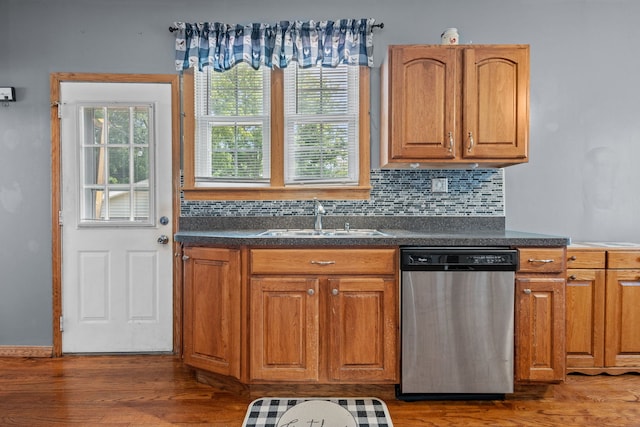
[56, 177]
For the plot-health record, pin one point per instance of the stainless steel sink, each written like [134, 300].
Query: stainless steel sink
[307, 232]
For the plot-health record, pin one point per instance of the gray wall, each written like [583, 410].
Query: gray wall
[581, 180]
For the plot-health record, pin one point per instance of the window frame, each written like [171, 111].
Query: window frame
[276, 188]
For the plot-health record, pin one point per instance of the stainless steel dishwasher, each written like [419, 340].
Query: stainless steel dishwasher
[457, 323]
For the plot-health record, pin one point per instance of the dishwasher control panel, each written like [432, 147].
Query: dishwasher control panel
[429, 258]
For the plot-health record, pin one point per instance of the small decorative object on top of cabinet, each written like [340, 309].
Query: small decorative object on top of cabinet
[540, 315]
[454, 105]
[603, 300]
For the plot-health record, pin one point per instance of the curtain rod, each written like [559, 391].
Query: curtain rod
[380, 25]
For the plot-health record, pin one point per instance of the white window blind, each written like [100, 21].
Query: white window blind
[321, 122]
[232, 126]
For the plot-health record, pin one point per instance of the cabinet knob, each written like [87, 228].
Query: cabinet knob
[572, 277]
[185, 257]
[335, 291]
[311, 292]
[527, 291]
[572, 258]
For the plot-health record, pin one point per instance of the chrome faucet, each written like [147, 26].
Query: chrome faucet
[318, 211]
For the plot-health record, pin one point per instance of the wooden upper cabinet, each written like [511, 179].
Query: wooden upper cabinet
[423, 94]
[496, 102]
[454, 104]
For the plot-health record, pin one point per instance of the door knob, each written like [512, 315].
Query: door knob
[163, 240]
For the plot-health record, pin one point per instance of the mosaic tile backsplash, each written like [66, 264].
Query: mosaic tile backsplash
[478, 192]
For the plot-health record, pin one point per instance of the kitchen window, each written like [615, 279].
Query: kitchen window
[293, 133]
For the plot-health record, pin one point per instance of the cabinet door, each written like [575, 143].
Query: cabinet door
[423, 94]
[540, 326]
[585, 318]
[363, 330]
[622, 330]
[212, 310]
[496, 102]
[284, 329]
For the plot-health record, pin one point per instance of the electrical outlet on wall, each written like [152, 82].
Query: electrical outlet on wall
[439, 185]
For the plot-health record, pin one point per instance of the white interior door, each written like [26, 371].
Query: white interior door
[116, 207]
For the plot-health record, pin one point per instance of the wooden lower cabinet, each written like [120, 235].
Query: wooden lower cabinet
[327, 328]
[585, 318]
[622, 320]
[603, 300]
[212, 290]
[585, 309]
[329, 316]
[540, 316]
[540, 342]
[363, 329]
[284, 321]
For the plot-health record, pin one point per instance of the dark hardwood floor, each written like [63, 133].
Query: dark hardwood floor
[158, 390]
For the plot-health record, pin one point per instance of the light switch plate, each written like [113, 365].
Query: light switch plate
[439, 185]
[7, 94]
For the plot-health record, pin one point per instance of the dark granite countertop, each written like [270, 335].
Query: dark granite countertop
[400, 231]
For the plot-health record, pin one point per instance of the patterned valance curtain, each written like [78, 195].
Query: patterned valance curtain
[309, 43]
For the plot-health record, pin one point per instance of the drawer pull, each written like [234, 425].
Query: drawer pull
[323, 262]
[572, 277]
[572, 258]
[540, 261]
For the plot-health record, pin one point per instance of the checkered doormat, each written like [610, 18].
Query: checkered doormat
[293, 412]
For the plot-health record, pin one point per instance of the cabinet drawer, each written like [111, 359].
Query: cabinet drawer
[323, 261]
[541, 260]
[623, 259]
[580, 258]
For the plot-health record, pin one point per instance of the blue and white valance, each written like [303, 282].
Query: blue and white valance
[309, 43]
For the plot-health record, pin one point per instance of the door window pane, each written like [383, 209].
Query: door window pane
[116, 178]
